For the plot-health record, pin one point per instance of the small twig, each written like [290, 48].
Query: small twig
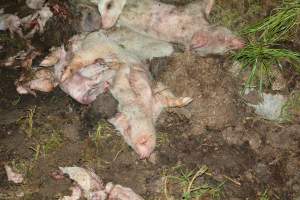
[200, 172]
[117, 154]
[166, 189]
[232, 180]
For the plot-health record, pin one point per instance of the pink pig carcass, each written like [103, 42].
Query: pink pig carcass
[186, 25]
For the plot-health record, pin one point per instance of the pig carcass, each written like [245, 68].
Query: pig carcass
[139, 107]
[186, 25]
[93, 188]
[144, 47]
[113, 47]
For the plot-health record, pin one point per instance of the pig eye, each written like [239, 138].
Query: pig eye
[109, 5]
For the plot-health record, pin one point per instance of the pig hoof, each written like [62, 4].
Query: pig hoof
[67, 74]
[186, 100]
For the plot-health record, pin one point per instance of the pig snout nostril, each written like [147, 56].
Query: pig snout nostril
[237, 44]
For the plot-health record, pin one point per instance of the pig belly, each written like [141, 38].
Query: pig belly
[82, 89]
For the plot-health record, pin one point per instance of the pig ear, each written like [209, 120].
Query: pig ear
[120, 122]
[200, 39]
[208, 6]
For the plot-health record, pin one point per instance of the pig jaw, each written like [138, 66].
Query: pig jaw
[145, 144]
[110, 11]
[215, 40]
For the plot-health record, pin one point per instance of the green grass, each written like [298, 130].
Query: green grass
[291, 110]
[53, 143]
[101, 133]
[278, 26]
[264, 196]
[191, 188]
[261, 58]
[264, 50]
[29, 127]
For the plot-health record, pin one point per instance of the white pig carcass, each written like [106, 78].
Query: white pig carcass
[186, 25]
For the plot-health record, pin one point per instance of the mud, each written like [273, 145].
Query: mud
[247, 154]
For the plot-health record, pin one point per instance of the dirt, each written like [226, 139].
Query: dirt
[246, 154]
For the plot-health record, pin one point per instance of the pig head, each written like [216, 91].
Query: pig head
[215, 40]
[137, 133]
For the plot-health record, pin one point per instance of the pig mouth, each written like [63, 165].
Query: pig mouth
[197, 46]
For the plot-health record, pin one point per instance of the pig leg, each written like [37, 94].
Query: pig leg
[164, 98]
[75, 65]
[167, 98]
[208, 7]
[44, 85]
[52, 58]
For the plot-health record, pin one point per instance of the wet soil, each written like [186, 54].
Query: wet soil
[245, 154]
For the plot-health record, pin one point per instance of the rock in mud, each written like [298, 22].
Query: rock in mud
[270, 107]
[105, 106]
[13, 176]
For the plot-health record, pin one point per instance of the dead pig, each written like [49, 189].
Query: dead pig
[86, 84]
[112, 47]
[87, 48]
[139, 106]
[89, 185]
[186, 25]
[140, 45]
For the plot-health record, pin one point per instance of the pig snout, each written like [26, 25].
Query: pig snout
[216, 40]
[108, 21]
[145, 146]
[237, 43]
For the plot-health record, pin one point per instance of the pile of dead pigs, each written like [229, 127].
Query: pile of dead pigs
[114, 59]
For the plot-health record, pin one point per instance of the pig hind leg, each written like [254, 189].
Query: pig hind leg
[167, 98]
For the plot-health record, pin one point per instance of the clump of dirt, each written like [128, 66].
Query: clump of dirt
[216, 101]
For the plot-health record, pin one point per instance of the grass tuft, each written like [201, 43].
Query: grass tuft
[264, 196]
[291, 110]
[53, 143]
[30, 114]
[278, 26]
[264, 50]
[261, 58]
[191, 187]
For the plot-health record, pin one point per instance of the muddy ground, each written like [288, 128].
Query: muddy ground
[247, 157]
